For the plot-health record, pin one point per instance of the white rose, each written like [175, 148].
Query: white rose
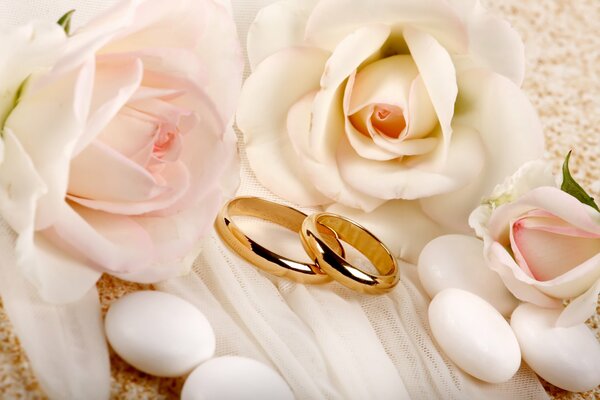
[363, 103]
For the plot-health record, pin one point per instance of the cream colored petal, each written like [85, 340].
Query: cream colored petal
[422, 118]
[324, 176]
[361, 143]
[400, 225]
[439, 76]
[511, 134]
[277, 26]
[413, 179]
[351, 52]
[386, 81]
[332, 20]
[267, 96]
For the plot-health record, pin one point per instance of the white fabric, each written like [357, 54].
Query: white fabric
[327, 342]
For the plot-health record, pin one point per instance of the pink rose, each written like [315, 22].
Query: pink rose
[125, 145]
[544, 243]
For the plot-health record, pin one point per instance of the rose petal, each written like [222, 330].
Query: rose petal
[548, 254]
[400, 225]
[20, 184]
[268, 94]
[515, 279]
[439, 76]
[332, 20]
[351, 52]
[422, 118]
[412, 180]
[177, 242]
[277, 26]
[60, 108]
[177, 183]
[113, 243]
[115, 178]
[60, 276]
[386, 81]
[510, 131]
[581, 308]
[114, 84]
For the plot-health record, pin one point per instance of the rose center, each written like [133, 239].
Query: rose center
[388, 120]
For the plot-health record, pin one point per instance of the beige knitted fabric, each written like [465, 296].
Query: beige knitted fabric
[563, 81]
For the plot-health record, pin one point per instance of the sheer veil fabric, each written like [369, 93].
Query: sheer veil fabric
[327, 342]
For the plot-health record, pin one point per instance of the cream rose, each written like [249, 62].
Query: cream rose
[363, 103]
[117, 149]
[543, 242]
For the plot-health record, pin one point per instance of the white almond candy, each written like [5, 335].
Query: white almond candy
[235, 378]
[159, 333]
[456, 261]
[566, 357]
[474, 335]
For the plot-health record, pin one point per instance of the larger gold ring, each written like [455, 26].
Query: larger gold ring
[315, 241]
[265, 259]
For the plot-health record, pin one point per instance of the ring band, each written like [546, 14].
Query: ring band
[265, 259]
[315, 242]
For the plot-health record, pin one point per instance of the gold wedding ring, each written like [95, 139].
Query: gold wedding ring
[320, 235]
[336, 266]
[263, 258]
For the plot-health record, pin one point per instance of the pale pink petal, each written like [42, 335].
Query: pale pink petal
[131, 133]
[114, 84]
[112, 243]
[177, 242]
[548, 254]
[581, 308]
[277, 26]
[400, 225]
[436, 68]
[60, 108]
[151, 23]
[220, 51]
[61, 276]
[177, 183]
[268, 94]
[101, 173]
[20, 184]
[413, 179]
[511, 134]
[516, 280]
[332, 20]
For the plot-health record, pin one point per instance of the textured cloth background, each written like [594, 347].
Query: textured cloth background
[563, 81]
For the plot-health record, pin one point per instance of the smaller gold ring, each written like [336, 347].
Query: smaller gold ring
[315, 242]
[263, 258]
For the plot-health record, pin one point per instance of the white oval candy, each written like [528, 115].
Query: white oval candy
[159, 333]
[456, 261]
[474, 335]
[235, 378]
[566, 357]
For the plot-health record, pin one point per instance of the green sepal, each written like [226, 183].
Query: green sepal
[65, 21]
[569, 185]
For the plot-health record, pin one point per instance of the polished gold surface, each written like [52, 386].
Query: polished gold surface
[315, 241]
[260, 256]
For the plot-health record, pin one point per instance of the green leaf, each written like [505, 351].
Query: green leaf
[16, 99]
[569, 185]
[65, 21]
